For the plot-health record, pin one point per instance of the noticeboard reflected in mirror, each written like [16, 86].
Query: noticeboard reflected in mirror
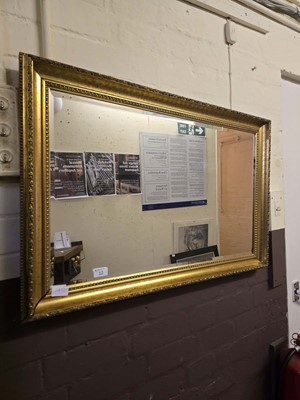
[119, 176]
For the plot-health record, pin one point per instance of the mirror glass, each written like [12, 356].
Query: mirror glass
[135, 190]
[128, 190]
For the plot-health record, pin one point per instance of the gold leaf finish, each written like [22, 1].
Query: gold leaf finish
[37, 77]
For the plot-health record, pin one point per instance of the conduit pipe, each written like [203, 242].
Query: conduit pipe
[2, 69]
[219, 8]
[2, 73]
[296, 2]
[45, 29]
[282, 8]
[203, 4]
[269, 13]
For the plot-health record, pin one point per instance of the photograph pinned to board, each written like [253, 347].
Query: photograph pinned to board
[100, 174]
[52, 173]
[127, 172]
[68, 175]
[192, 235]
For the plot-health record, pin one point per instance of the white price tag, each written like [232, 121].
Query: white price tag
[59, 290]
[100, 272]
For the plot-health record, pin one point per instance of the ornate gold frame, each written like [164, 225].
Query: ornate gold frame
[37, 77]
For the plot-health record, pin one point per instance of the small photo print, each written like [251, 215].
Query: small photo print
[190, 236]
[128, 177]
[100, 177]
[52, 174]
[67, 175]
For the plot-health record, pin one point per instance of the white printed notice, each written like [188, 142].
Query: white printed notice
[174, 171]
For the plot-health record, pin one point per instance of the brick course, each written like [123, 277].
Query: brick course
[207, 341]
[133, 350]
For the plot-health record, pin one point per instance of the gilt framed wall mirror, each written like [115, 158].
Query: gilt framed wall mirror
[128, 190]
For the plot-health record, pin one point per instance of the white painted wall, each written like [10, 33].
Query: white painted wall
[169, 45]
[291, 147]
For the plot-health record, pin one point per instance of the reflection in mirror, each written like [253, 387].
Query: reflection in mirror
[132, 190]
[128, 190]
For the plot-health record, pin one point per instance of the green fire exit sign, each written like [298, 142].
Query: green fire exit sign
[189, 129]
